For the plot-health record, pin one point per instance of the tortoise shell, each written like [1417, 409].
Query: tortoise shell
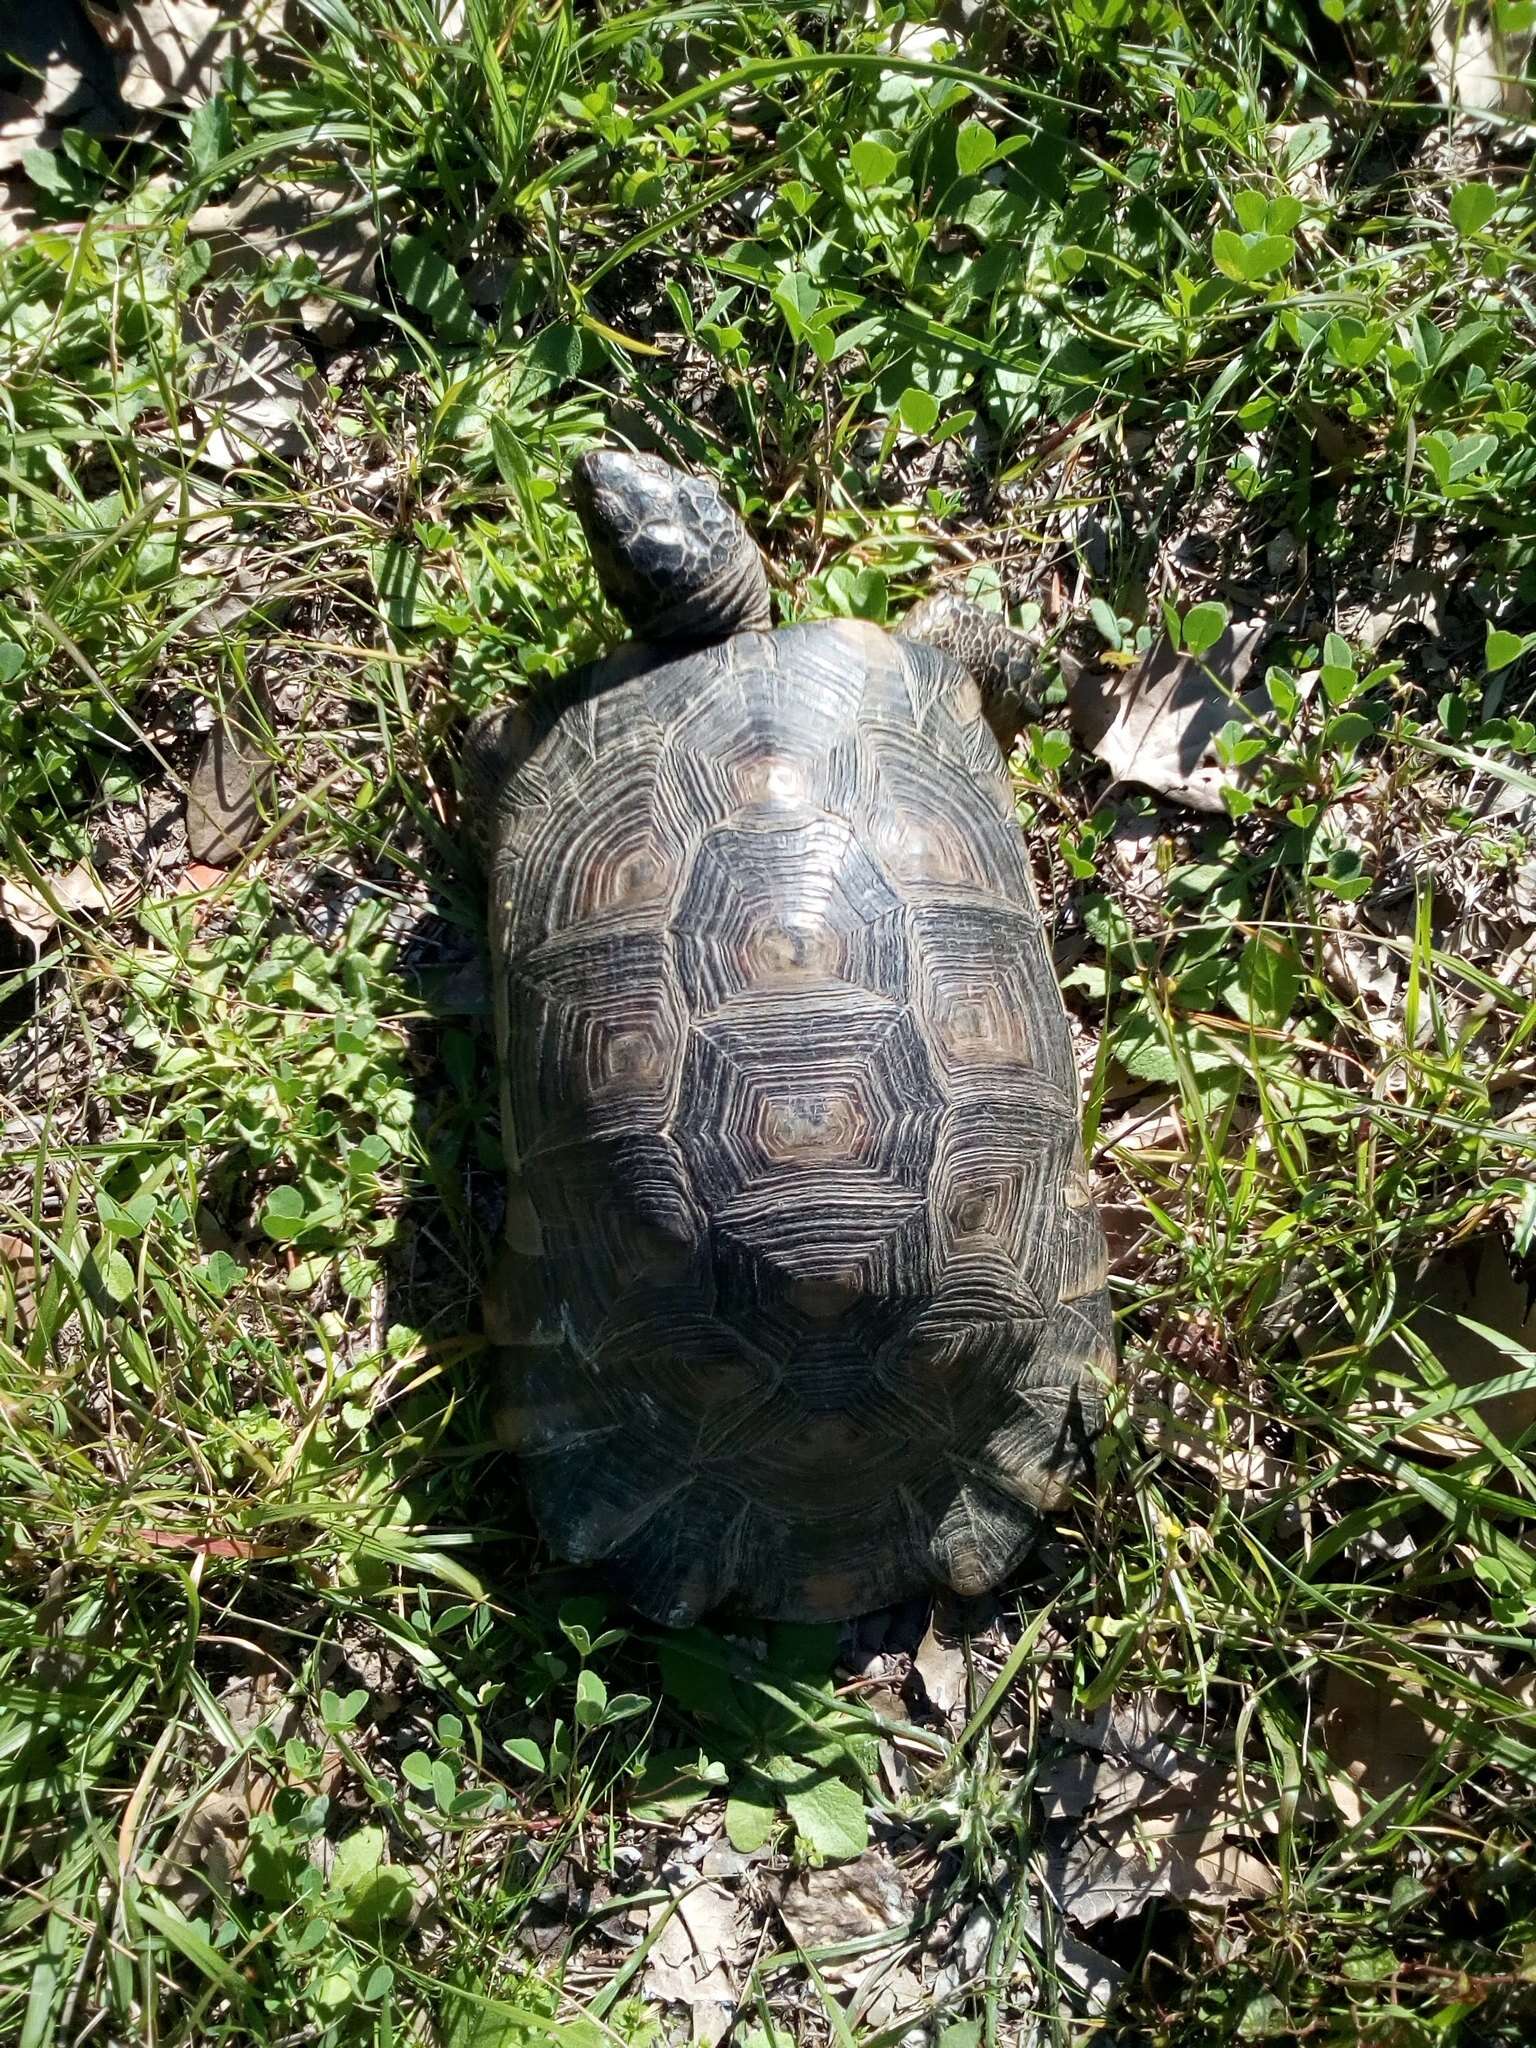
[803, 1293]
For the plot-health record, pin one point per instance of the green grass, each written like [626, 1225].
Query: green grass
[1062, 296]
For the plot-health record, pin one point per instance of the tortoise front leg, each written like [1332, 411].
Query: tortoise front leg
[1001, 659]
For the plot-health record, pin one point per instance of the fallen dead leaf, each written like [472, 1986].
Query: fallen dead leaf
[1376, 1733]
[1221, 1445]
[1147, 1813]
[33, 909]
[1155, 724]
[253, 392]
[693, 1961]
[204, 1855]
[1473, 1283]
[1137, 1730]
[65, 79]
[197, 877]
[211, 1546]
[940, 1664]
[1478, 62]
[170, 53]
[1411, 597]
[847, 1902]
[1365, 969]
[229, 780]
[281, 217]
[1157, 1855]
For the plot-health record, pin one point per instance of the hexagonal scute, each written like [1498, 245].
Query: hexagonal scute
[809, 1083]
[785, 907]
[600, 1030]
[953, 1370]
[996, 1180]
[992, 1008]
[568, 864]
[938, 835]
[772, 731]
[947, 710]
[823, 1241]
[616, 1214]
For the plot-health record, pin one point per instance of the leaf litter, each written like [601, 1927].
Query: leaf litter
[322, 221]
[1156, 723]
[1146, 1809]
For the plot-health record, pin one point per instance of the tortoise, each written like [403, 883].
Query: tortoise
[802, 1296]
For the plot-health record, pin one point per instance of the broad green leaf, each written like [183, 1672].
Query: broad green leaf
[1454, 457]
[219, 1273]
[873, 163]
[210, 134]
[357, 1857]
[1104, 618]
[417, 1770]
[406, 589]
[1472, 207]
[1204, 625]
[751, 1815]
[919, 410]
[829, 1817]
[524, 1751]
[1267, 983]
[114, 1275]
[125, 1219]
[694, 1673]
[591, 1699]
[1250, 258]
[672, 1784]
[1354, 343]
[377, 1898]
[1502, 648]
[975, 147]
[429, 283]
[284, 1214]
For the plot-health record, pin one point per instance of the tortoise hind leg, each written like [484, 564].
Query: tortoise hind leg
[1001, 659]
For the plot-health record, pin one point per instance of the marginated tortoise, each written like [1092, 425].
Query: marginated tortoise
[802, 1294]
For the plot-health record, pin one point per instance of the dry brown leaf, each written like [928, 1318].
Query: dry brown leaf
[1094, 1879]
[940, 1664]
[253, 391]
[17, 214]
[32, 910]
[64, 79]
[1375, 1731]
[1193, 1433]
[228, 782]
[169, 53]
[1412, 597]
[1154, 724]
[1474, 1283]
[847, 1902]
[1477, 63]
[270, 218]
[1146, 1814]
[694, 1960]
[1137, 1730]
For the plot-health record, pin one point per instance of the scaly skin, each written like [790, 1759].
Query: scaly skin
[1001, 659]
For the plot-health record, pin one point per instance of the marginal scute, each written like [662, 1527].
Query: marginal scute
[801, 1277]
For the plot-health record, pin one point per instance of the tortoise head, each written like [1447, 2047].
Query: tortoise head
[671, 555]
